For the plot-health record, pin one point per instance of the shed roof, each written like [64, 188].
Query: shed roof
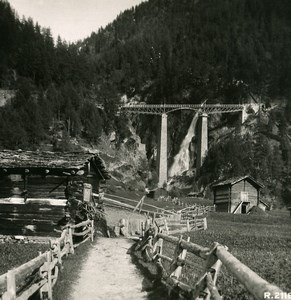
[58, 162]
[234, 180]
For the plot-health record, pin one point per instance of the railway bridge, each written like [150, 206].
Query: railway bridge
[163, 110]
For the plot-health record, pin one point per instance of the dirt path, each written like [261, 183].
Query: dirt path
[109, 273]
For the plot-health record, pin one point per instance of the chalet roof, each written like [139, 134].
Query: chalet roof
[234, 180]
[53, 161]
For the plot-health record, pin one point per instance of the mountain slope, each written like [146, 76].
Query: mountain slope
[191, 50]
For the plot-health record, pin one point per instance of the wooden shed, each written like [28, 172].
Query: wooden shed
[33, 184]
[237, 195]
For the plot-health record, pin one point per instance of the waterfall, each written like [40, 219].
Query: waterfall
[182, 159]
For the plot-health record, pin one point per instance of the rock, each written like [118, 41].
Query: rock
[116, 230]
[122, 223]
[124, 231]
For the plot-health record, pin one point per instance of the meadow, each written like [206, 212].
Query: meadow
[163, 203]
[14, 254]
[262, 242]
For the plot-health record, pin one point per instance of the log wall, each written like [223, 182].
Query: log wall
[30, 219]
[41, 187]
[221, 198]
[36, 186]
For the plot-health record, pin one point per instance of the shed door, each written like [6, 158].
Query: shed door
[244, 207]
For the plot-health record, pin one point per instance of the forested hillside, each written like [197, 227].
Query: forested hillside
[54, 99]
[189, 50]
[162, 51]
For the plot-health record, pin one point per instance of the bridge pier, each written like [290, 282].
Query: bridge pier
[202, 139]
[244, 114]
[162, 158]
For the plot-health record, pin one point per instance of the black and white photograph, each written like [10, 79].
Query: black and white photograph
[145, 149]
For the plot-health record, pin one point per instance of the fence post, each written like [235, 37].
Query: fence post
[158, 248]
[141, 204]
[70, 241]
[211, 279]
[49, 276]
[188, 225]
[45, 271]
[56, 251]
[204, 284]
[212, 288]
[10, 294]
[204, 223]
[92, 230]
[147, 223]
[59, 254]
[180, 261]
[142, 229]
[177, 252]
[166, 226]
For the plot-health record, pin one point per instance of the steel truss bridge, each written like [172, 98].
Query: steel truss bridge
[159, 109]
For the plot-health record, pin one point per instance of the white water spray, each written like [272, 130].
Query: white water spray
[182, 159]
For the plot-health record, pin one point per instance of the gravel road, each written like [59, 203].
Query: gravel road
[108, 273]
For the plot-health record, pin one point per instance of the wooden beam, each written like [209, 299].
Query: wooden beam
[191, 247]
[256, 285]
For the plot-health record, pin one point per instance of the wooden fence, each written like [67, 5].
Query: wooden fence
[174, 224]
[138, 206]
[41, 273]
[151, 244]
[195, 210]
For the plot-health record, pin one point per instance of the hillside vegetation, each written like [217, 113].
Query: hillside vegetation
[162, 51]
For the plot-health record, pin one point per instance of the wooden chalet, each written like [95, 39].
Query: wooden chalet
[237, 195]
[33, 184]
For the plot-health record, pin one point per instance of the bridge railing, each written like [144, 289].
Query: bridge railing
[157, 109]
[41, 273]
[152, 244]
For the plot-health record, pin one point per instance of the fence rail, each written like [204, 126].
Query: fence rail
[43, 269]
[174, 224]
[151, 245]
[139, 206]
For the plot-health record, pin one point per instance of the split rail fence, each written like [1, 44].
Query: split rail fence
[175, 224]
[138, 206]
[41, 273]
[141, 207]
[195, 210]
[151, 244]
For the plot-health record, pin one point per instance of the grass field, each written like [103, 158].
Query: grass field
[16, 254]
[263, 243]
[168, 205]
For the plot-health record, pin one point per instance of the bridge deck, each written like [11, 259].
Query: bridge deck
[158, 109]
